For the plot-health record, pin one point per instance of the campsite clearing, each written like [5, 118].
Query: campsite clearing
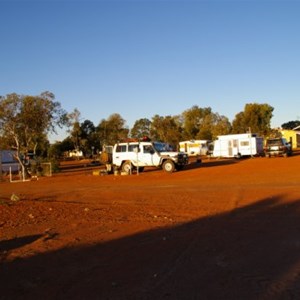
[223, 229]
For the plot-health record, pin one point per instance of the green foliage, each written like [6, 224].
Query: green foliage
[166, 129]
[203, 124]
[141, 128]
[74, 128]
[112, 130]
[193, 119]
[54, 165]
[255, 118]
[26, 120]
[90, 142]
[290, 125]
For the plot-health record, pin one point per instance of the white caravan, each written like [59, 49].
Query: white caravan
[238, 145]
[194, 147]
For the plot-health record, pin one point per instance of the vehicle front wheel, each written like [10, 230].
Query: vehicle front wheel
[126, 167]
[169, 166]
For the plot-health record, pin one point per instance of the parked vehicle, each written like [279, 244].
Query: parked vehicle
[76, 153]
[277, 147]
[238, 145]
[195, 147]
[137, 155]
[8, 161]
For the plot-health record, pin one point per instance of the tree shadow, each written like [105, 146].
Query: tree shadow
[251, 252]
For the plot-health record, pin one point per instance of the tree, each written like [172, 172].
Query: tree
[255, 118]
[290, 124]
[238, 124]
[25, 121]
[166, 129]
[112, 130]
[221, 126]
[74, 128]
[213, 125]
[89, 137]
[203, 124]
[141, 128]
[193, 120]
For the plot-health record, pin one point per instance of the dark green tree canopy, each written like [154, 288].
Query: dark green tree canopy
[255, 118]
[166, 129]
[141, 128]
[112, 130]
[290, 125]
[203, 123]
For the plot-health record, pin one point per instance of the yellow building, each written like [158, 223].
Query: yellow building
[292, 135]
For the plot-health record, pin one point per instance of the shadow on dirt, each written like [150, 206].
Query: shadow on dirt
[207, 163]
[18, 242]
[249, 253]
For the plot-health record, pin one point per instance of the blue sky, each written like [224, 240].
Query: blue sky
[142, 58]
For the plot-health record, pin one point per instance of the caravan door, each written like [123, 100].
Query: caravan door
[233, 148]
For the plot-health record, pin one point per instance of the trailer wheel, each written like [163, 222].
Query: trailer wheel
[168, 166]
[126, 166]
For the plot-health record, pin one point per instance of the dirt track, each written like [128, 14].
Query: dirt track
[228, 229]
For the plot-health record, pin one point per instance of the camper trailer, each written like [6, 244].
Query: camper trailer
[194, 147]
[238, 145]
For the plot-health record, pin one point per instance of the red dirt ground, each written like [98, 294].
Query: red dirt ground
[225, 229]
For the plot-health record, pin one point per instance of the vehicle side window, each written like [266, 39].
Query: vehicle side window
[132, 148]
[121, 148]
[148, 149]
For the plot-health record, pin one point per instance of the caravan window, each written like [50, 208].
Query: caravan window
[244, 143]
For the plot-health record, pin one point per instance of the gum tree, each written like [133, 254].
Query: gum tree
[26, 120]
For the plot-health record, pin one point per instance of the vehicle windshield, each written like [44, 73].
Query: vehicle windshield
[162, 147]
[274, 142]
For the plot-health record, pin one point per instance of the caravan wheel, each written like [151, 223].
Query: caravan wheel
[238, 156]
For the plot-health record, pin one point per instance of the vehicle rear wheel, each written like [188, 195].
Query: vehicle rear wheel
[169, 166]
[126, 167]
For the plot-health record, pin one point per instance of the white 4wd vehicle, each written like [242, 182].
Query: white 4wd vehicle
[141, 154]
